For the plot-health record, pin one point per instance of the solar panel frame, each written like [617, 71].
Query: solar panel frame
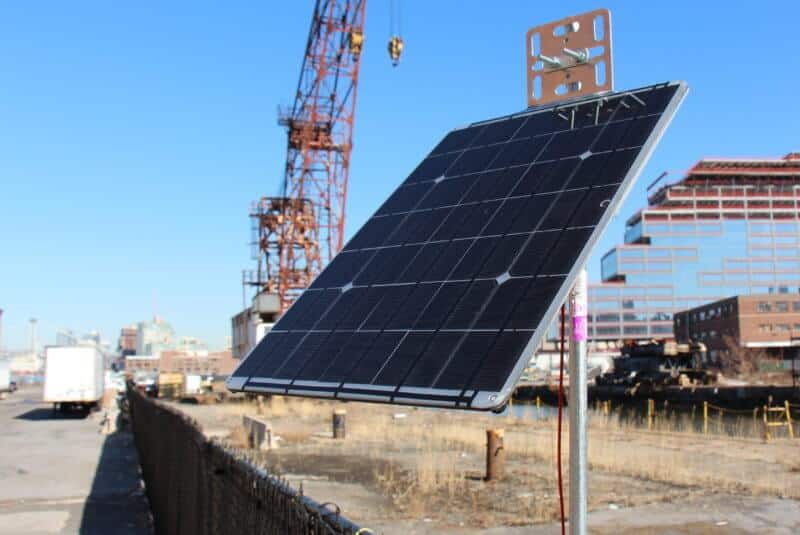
[465, 397]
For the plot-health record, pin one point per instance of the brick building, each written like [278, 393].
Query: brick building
[763, 325]
[127, 340]
[188, 362]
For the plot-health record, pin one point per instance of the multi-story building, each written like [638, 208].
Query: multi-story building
[729, 227]
[127, 340]
[745, 329]
[65, 337]
[152, 337]
[188, 362]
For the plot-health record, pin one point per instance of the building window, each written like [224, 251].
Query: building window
[633, 330]
[764, 306]
[605, 331]
[781, 306]
[797, 326]
[796, 306]
[763, 328]
[782, 327]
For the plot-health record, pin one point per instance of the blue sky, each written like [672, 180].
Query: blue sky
[133, 137]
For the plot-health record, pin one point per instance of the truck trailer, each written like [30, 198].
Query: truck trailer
[5, 378]
[73, 377]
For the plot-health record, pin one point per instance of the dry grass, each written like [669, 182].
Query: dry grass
[238, 437]
[660, 454]
[431, 462]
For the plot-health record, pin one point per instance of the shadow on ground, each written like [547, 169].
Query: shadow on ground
[117, 502]
[42, 414]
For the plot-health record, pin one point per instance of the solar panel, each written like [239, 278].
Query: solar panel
[445, 293]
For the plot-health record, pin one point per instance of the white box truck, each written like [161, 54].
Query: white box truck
[5, 378]
[73, 377]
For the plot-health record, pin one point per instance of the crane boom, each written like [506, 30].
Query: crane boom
[297, 234]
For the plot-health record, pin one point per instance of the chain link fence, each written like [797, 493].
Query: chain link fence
[197, 486]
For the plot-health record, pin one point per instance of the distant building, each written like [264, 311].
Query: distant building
[188, 362]
[729, 227]
[92, 337]
[190, 343]
[744, 327]
[24, 362]
[127, 340]
[142, 363]
[65, 337]
[198, 362]
[152, 337]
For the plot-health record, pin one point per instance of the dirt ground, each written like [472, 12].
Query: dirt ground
[405, 470]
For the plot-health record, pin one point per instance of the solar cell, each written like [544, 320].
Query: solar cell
[444, 294]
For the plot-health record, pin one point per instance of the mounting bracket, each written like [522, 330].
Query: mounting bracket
[569, 58]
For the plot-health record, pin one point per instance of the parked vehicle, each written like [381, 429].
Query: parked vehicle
[5, 379]
[73, 377]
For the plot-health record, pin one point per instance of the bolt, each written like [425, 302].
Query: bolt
[551, 62]
[581, 56]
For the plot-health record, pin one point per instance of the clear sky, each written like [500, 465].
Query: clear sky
[133, 137]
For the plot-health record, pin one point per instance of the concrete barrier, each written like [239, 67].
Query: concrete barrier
[259, 433]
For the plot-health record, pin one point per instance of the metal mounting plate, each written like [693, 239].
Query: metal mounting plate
[569, 58]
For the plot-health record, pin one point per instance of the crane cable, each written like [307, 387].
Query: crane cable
[396, 44]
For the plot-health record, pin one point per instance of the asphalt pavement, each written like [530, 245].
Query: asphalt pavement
[61, 475]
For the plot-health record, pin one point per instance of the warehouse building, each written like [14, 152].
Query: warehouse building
[766, 325]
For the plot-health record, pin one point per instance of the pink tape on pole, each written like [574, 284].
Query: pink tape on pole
[580, 328]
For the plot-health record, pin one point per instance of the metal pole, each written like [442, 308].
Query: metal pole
[578, 408]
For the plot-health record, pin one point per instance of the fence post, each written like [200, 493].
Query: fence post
[538, 402]
[789, 418]
[339, 416]
[705, 417]
[651, 407]
[495, 454]
[766, 424]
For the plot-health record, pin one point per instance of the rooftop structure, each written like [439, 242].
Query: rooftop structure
[728, 227]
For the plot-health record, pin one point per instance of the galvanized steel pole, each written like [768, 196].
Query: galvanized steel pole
[578, 407]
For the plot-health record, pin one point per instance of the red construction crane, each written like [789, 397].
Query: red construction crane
[297, 234]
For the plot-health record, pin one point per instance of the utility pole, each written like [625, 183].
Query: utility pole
[33, 336]
[578, 407]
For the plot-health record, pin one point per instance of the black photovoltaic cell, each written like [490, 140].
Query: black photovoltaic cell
[442, 296]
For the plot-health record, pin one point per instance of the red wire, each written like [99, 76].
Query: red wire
[560, 412]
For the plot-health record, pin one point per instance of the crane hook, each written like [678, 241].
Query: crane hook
[395, 49]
